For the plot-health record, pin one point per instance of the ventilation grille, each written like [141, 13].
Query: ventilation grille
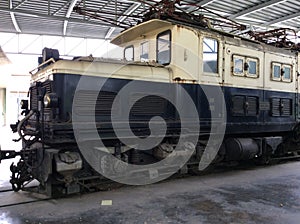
[47, 85]
[286, 107]
[275, 107]
[86, 105]
[252, 106]
[238, 106]
[245, 106]
[33, 98]
[148, 105]
[281, 107]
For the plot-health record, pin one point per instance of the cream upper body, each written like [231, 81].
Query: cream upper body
[162, 51]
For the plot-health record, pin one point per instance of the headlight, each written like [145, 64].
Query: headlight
[50, 100]
[24, 104]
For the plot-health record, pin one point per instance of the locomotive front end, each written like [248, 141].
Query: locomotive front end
[51, 153]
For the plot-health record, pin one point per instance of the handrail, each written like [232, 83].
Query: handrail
[46, 62]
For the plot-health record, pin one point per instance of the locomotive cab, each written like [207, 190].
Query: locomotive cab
[194, 56]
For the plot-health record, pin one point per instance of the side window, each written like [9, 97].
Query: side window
[144, 56]
[210, 55]
[164, 48]
[238, 65]
[276, 71]
[252, 67]
[129, 53]
[287, 73]
[281, 72]
[245, 66]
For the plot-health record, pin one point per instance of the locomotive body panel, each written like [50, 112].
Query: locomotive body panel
[108, 69]
[235, 74]
[276, 82]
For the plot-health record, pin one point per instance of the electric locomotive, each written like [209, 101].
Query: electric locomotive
[258, 106]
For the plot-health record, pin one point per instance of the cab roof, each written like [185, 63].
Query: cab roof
[139, 30]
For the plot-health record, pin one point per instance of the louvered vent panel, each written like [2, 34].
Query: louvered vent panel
[252, 109]
[238, 103]
[47, 85]
[86, 105]
[286, 107]
[33, 98]
[275, 107]
[149, 105]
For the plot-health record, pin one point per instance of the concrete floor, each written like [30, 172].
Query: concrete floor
[256, 195]
[253, 195]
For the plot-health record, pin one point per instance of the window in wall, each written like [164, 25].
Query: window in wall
[238, 65]
[276, 71]
[144, 51]
[245, 66]
[129, 53]
[252, 67]
[210, 55]
[287, 73]
[281, 72]
[164, 48]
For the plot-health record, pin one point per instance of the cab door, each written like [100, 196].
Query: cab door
[210, 91]
[211, 59]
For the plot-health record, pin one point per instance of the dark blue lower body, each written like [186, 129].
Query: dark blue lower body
[249, 112]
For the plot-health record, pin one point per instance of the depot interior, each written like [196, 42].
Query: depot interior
[28, 26]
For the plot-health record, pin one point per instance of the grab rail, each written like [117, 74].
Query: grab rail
[44, 63]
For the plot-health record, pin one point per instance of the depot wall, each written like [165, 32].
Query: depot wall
[12, 89]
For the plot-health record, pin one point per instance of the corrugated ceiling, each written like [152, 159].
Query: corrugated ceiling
[56, 17]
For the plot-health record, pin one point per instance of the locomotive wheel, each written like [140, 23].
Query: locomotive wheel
[296, 134]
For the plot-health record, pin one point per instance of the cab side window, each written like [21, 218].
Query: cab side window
[144, 56]
[164, 48]
[210, 55]
[129, 53]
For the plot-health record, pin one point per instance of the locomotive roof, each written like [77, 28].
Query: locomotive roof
[153, 24]
[139, 30]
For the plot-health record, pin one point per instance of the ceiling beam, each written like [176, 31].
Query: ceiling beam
[59, 9]
[68, 14]
[20, 4]
[255, 8]
[57, 18]
[282, 19]
[128, 12]
[13, 18]
[205, 2]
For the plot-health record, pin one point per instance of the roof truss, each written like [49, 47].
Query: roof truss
[24, 15]
[255, 8]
